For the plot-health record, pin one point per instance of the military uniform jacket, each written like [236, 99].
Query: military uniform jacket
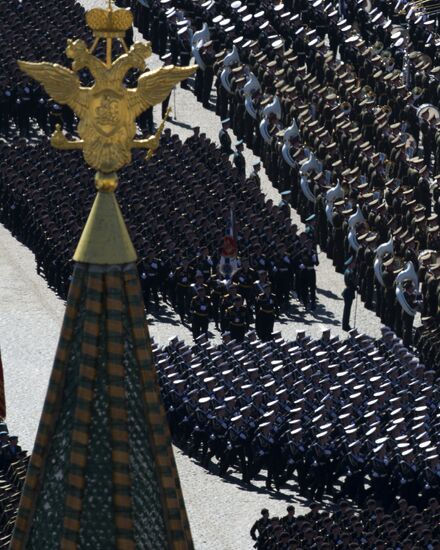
[283, 264]
[237, 436]
[237, 316]
[432, 478]
[296, 452]
[262, 444]
[203, 418]
[204, 265]
[152, 269]
[182, 277]
[388, 279]
[337, 220]
[217, 289]
[239, 162]
[380, 468]
[310, 259]
[225, 141]
[266, 304]
[219, 427]
[350, 283]
[244, 279]
[355, 463]
[201, 307]
[321, 455]
[407, 473]
[226, 303]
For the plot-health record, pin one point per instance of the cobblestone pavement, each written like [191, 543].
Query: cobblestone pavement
[220, 511]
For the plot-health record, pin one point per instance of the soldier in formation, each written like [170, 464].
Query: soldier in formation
[355, 418]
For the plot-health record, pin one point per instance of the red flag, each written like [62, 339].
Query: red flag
[2, 390]
[228, 259]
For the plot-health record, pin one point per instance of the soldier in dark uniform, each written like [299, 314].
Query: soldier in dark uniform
[201, 311]
[175, 405]
[260, 525]
[244, 278]
[218, 290]
[380, 475]
[219, 433]
[406, 479]
[162, 35]
[227, 302]
[407, 319]
[256, 167]
[265, 456]
[153, 276]
[307, 273]
[203, 263]
[349, 291]
[283, 276]
[265, 313]
[322, 468]
[182, 279]
[207, 55]
[295, 452]
[237, 318]
[354, 483]
[338, 237]
[225, 138]
[6, 103]
[389, 292]
[235, 450]
[368, 275]
[428, 138]
[322, 224]
[239, 161]
[200, 435]
[431, 479]
[184, 52]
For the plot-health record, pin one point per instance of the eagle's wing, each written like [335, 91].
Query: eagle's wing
[154, 86]
[60, 83]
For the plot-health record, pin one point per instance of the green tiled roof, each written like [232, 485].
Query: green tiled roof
[102, 474]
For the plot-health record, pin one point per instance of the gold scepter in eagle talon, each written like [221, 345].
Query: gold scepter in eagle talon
[155, 143]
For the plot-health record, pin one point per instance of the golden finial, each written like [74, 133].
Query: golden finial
[109, 22]
[107, 110]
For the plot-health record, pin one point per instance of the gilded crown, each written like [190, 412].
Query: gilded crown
[109, 21]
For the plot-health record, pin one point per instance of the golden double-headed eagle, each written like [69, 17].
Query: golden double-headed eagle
[107, 110]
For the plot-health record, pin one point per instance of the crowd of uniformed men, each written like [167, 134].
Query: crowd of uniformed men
[13, 464]
[350, 112]
[331, 101]
[353, 417]
[204, 186]
[348, 87]
[35, 30]
[404, 528]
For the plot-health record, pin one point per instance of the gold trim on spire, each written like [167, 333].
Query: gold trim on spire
[105, 239]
